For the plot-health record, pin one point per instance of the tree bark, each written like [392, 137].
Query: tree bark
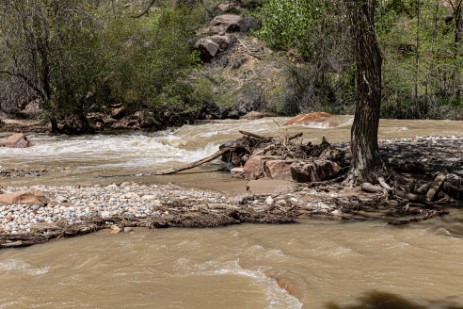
[366, 163]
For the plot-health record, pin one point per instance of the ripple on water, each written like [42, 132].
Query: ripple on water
[276, 296]
[9, 267]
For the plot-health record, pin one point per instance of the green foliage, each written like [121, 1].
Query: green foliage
[422, 68]
[150, 57]
[75, 55]
[423, 63]
[294, 23]
[315, 31]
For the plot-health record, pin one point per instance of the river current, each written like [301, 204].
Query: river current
[323, 264]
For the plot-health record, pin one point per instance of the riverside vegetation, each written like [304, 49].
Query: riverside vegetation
[76, 62]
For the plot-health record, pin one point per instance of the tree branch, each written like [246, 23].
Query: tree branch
[145, 12]
[28, 82]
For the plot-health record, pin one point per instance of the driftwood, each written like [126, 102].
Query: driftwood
[196, 163]
[370, 188]
[436, 187]
[252, 135]
[295, 136]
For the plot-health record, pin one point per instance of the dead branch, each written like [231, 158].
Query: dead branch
[252, 135]
[411, 197]
[146, 10]
[295, 136]
[436, 187]
[384, 185]
[370, 188]
[196, 163]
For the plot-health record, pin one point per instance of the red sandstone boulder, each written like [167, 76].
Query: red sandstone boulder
[24, 197]
[18, 140]
[278, 169]
[254, 168]
[312, 118]
[301, 171]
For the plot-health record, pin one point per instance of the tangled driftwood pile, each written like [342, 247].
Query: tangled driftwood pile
[424, 177]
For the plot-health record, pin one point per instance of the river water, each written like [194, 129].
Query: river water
[323, 264]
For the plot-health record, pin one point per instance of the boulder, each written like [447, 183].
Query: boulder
[73, 125]
[243, 106]
[254, 168]
[138, 120]
[31, 109]
[253, 115]
[278, 169]
[229, 7]
[312, 118]
[210, 46]
[209, 110]
[118, 111]
[18, 140]
[127, 122]
[24, 197]
[225, 23]
[317, 170]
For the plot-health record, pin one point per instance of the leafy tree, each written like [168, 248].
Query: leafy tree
[314, 30]
[49, 46]
[79, 55]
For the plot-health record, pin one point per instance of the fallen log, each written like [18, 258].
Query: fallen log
[252, 135]
[370, 188]
[436, 187]
[455, 192]
[412, 197]
[196, 163]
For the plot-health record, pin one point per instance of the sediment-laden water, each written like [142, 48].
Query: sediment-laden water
[322, 264]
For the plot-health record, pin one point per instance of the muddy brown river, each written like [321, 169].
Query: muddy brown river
[322, 264]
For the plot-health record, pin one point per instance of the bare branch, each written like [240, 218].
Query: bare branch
[145, 12]
[28, 81]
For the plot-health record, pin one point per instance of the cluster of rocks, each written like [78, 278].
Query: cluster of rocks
[40, 213]
[221, 27]
[29, 208]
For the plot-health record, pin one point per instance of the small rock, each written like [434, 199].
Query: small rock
[105, 215]
[115, 229]
[269, 201]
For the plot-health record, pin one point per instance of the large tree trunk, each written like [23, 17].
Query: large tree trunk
[366, 164]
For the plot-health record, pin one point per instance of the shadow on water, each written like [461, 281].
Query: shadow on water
[383, 300]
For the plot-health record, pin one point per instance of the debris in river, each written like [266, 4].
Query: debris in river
[411, 189]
